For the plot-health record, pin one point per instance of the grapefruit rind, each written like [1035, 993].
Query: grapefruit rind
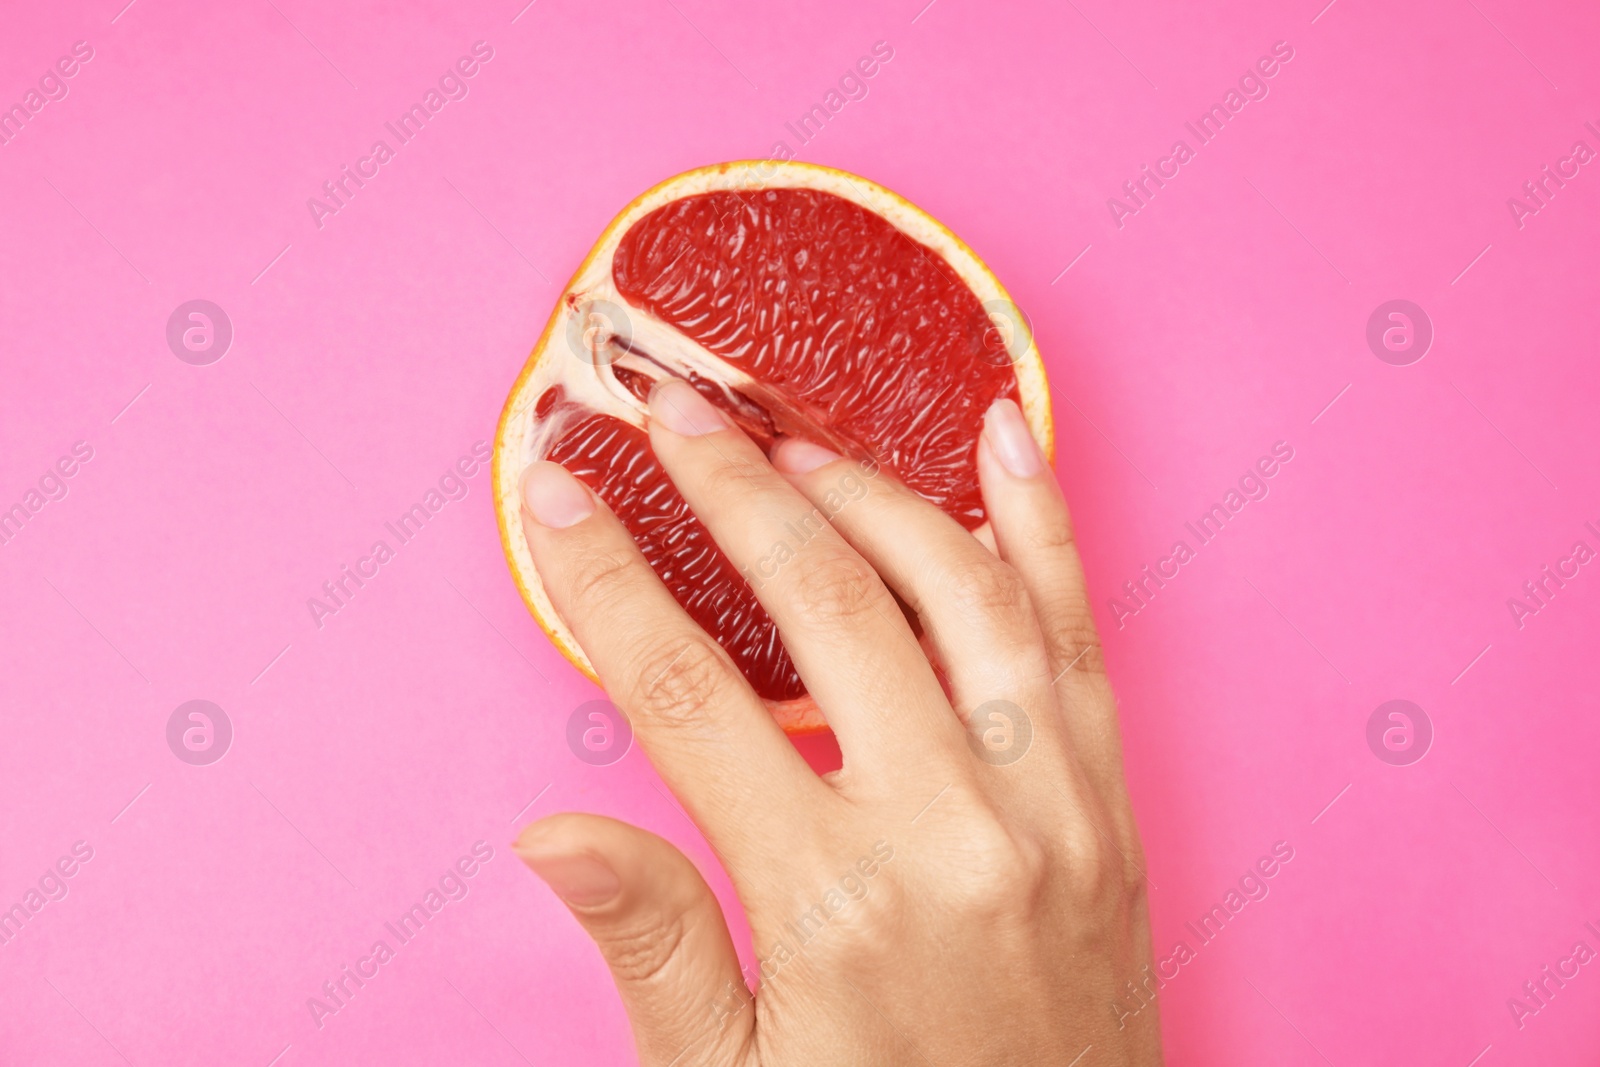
[515, 434]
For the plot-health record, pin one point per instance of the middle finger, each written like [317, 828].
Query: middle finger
[847, 637]
[974, 607]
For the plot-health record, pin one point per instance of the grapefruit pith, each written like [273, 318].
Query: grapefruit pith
[803, 301]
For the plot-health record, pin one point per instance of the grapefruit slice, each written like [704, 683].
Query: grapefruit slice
[805, 302]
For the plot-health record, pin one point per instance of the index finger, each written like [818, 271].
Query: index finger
[706, 731]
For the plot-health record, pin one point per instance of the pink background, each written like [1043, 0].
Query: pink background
[372, 353]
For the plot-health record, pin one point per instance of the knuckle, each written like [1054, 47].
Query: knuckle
[1023, 869]
[988, 588]
[1130, 859]
[678, 679]
[1088, 862]
[734, 478]
[1052, 536]
[600, 577]
[1104, 859]
[640, 953]
[1001, 874]
[1073, 642]
[833, 589]
[1134, 881]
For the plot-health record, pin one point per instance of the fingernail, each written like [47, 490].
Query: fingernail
[794, 456]
[1008, 435]
[554, 497]
[679, 407]
[579, 879]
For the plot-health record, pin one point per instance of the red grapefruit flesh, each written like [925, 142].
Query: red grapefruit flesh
[804, 302]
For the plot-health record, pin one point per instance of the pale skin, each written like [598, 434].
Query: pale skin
[953, 895]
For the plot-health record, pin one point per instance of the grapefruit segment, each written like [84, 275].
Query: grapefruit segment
[854, 322]
[614, 459]
[801, 300]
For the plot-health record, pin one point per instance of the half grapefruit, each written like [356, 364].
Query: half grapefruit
[805, 302]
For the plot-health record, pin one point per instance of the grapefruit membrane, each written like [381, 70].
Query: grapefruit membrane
[804, 302]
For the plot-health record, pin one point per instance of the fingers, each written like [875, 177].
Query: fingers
[973, 606]
[847, 637]
[704, 728]
[1034, 534]
[660, 930]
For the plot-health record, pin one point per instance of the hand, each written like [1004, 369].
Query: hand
[969, 887]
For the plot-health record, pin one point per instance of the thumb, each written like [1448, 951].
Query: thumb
[660, 930]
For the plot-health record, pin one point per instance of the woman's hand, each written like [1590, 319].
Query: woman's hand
[969, 887]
